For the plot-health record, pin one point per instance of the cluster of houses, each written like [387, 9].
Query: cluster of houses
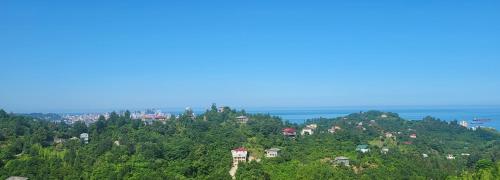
[241, 154]
[84, 137]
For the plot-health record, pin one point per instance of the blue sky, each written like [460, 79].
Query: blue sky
[69, 55]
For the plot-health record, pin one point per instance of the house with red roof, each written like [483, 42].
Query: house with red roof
[413, 136]
[239, 155]
[289, 132]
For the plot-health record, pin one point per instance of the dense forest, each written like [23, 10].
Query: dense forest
[190, 147]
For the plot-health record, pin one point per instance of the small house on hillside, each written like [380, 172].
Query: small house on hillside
[312, 126]
[384, 150]
[239, 155]
[450, 157]
[388, 135]
[331, 130]
[222, 109]
[273, 152]
[289, 132]
[84, 137]
[425, 155]
[362, 148]
[58, 140]
[413, 136]
[384, 116]
[242, 119]
[307, 131]
[341, 160]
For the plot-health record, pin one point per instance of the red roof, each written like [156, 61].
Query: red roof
[408, 142]
[240, 149]
[289, 130]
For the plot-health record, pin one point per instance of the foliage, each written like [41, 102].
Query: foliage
[199, 148]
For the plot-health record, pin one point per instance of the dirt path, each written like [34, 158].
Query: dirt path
[232, 171]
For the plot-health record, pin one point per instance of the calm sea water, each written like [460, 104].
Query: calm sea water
[300, 115]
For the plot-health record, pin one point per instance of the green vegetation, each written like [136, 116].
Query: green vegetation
[199, 148]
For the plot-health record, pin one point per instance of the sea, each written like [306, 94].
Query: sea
[447, 113]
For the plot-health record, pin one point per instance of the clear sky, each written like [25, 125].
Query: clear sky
[81, 55]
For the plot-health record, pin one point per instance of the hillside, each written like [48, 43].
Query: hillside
[200, 148]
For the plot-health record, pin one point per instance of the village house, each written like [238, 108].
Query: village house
[362, 148]
[58, 140]
[413, 136]
[384, 150]
[331, 130]
[84, 137]
[289, 132]
[273, 152]
[464, 124]
[307, 131]
[465, 154]
[425, 155]
[388, 135]
[450, 157]
[341, 160]
[384, 116]
[222, 109]
[242, 119]
[372, 123]
[312, 126]
[239, 155]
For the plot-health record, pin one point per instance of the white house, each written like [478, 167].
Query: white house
[362, 148]
[331, 130]
[312, 126]
[425, 155]
[239, 155]
[464, 124]
[273, 152]
[84, 137]
[388, 135]
[384, 150]
[450, 157]
[242, 119]
[306, 131]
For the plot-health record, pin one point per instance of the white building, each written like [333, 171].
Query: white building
[388, 135]
[306, 131]
[242, 119]
[464, 124]
[384, 150]
[273, 152]
[239, 155]
[84, 137]
[332, 130]
[312, 126]
[450, 157]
